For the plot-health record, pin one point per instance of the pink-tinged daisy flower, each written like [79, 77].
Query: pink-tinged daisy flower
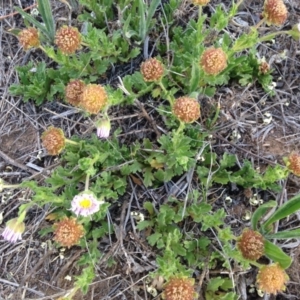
[85, 204]
[103, 128]
[13, 230]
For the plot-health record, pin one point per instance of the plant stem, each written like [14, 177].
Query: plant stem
[47, 53]
[71, 142]
[272, 35]
[169, 98]
[239, 3]
[8, 186]
[259, 23]
[87, 182]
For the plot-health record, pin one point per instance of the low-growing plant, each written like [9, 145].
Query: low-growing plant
[187, 233]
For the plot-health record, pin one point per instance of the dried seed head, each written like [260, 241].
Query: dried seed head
[179, 289]
[68, 39]
[29, 38]
[53, 140]
[213, 61]
[186, 109]
[263, 67]
[152, 69]
[73, 91]
[68, 232]
[275, 12]
[272, 279]
[200, 2]
[93, 98]
[293, 163]
[251, 244]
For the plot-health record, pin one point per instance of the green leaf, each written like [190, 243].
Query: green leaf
[276, 254]
[285, 210]
[149, 207]
[227, 161]
[33, 21]
[142, 27]
[195, 77]
[151, 12]
[287, 234]
[154, 238]
[45, 10]
[144, 224]
[197, 211]
[148, 177]
[214, 284]
[260, 211]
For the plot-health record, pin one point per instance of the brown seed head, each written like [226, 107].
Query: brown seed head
[293, 163]
[272, 279]
[68, 39]
[264, 67]
[251, 244]
[29, 38]
[68, 232]
[213, 61]
[93, 98]
[152, 69]
[179, 289]
[73, 91]
[275, 12]
[53, 140]
[186, 109]
[200, 2]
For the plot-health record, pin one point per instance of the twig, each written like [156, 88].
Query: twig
[16, 13]
[17, 285]
[15, 163]
[242, 149]
[141, 107]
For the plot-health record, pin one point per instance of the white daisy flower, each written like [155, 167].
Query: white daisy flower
[85, 204]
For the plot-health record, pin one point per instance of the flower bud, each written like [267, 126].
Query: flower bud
[272, 279]
[68, 39]
[73, 91]
[295, 32]
[103, 128]
[152, 69]
[68, 232]
[200, 2]
[29, 38]
[186, 109]
[275, 12]
[13, 230]
[293, 163]
[53, 140]
[93, 98]
[251, 244]
[213, 61]
[263, 67]
[179, 289]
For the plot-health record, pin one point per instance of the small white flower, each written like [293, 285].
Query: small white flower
[268, 118]
[103, 128]
[85, 204]
[68, 277]
[13, 230]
